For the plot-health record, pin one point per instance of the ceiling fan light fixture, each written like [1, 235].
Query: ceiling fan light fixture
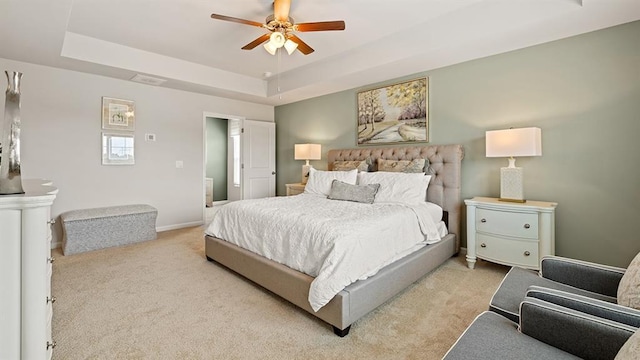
[290, 46]
[271, 49]
[277, 39]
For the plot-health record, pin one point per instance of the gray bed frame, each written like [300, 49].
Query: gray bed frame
[359, 298]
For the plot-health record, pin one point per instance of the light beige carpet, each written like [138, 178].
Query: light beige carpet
[163, 300]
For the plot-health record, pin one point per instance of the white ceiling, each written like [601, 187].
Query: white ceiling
[176, 40]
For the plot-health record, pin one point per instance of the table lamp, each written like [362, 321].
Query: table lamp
[513, 143]
[307, 152]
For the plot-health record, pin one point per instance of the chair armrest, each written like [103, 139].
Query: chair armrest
[580, 334]
[601, 279]
[587, 305]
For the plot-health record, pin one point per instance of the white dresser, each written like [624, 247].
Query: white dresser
[25, 272]
[510, 233]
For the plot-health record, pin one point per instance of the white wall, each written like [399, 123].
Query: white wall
[61, 141]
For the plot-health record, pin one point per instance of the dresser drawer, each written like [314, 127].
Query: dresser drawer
[523, 225]
[499, 249]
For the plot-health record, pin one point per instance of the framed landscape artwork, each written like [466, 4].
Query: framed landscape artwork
[394, 114]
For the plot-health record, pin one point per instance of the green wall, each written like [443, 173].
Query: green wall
[583, 92]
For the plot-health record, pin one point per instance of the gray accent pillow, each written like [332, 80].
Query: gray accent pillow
[358, 193]
[361, 165]
[406, 166]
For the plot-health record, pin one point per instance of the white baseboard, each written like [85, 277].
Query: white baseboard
[179, 226]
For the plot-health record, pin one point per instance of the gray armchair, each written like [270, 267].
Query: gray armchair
[546, 331]
[590, 280]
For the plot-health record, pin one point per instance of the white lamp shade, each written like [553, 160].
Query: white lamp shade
[277, 39]
[307, 152]
[514, 142]
[270, 48]
[290, 46]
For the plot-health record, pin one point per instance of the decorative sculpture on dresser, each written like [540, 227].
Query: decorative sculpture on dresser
[10, 178]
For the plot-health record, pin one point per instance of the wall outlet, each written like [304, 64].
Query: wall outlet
[150, 137]
[179, 164]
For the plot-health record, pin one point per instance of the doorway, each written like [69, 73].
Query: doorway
[221, 168]
[239, 160]
[216, 146]
[222, 160]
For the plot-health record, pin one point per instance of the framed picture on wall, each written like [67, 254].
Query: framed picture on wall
[117, 149]
[118, 114]
[394, 114]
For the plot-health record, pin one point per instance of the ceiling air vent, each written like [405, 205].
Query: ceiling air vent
[149, 80]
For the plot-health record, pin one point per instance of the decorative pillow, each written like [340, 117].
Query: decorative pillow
[407, 166]
[629, 287]
[362, 165]
[320, 181]
[631, 348]
[358, 193]
[397, 187]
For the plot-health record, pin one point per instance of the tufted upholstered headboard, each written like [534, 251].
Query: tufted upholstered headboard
[445, 162]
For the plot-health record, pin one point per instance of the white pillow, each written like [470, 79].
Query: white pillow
[320, 181]
[396, 187]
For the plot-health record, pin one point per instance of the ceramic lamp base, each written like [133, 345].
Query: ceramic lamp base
[511, 184]
[305, 173]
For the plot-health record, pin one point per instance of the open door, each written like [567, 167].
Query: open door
[258, 159]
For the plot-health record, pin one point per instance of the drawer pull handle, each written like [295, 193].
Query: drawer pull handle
[51, 299]
[483, 220]
[51, 260]
[51, 345]
[526, 226]
[483, 245]
[526, 253]
[51, 222]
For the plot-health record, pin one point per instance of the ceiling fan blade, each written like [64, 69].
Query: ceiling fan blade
[320, 26]
[281, 9]
[236, 20]
[256, 42]
[302, 46]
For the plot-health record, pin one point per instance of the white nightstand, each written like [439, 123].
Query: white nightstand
[510, 233]
[295, 189]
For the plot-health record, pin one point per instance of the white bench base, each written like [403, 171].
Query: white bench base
[93, 229]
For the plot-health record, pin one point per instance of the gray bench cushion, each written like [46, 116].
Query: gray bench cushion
[99, 228]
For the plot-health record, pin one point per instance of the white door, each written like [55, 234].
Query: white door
[258, 159]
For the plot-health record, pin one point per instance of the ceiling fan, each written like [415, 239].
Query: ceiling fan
[282, 28]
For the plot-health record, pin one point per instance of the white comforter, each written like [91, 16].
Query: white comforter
[337, 242]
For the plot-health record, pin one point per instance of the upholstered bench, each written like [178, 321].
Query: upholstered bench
[99, 228]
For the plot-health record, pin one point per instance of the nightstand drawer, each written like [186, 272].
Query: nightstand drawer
[519, 253]
[523, 225]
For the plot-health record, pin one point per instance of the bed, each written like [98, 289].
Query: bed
[362, 296]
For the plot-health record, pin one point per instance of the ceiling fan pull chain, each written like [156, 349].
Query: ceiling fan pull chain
[278, 79]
